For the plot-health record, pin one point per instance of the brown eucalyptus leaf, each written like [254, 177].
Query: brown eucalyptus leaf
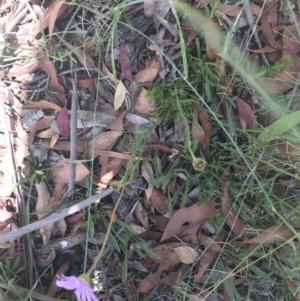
[125, 63]
[191, 214]
[246, 112]
[160, 201]
[232, 220]
[61, 172]
[209, 243]
[49, 133]
[167, 255]
[207, 258]
[146, 75]
[142, 215]
[102, 142]
[61, 271]
[150, 281]
[274, 234]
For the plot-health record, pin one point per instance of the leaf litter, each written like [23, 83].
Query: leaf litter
[162, 223]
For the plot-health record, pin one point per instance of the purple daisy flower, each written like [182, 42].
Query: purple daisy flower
[83, 291]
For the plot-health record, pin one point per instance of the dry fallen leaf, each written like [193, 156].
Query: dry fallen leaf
[232, 220]
[62, 270]
[190, 214]
[102, 142]
[125, 62]
[209, 243]
[144, 105]
[142, 215]
[60, 172]
[272, 235]
[160, 201]
[167, 255]
[146, 75]
[151, 71]
[207, 258]
[119, 95]
[150, 281]
[49, 133]
[245, 111]
[186, 254]
[63, 122]
[43, 200]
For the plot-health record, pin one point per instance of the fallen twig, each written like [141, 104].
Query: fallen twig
[29, 292]
[73, 136]
[56, 216]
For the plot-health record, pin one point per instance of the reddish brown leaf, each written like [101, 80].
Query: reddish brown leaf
[146, 75]
[160, 222]
[125, 62]
[266, 28]
[61, 172]
[111, 169]
[42, 104]
[160, 201]
[63, 122]
[103, 142]
[245, 111]
[142, 215]
[45, 17]
[234, 222]
[172, 277]
[160, 147]
[209, 243]
[117, 124]
[74, 218]
[192, 35]
[62, 270]
[166, 254]
[207, 258]
[272, 235]
[87, 83]
[189, 234]
[198, 133]
[150, 281]
[64, 145]
[150, 235]
[59, 7]
[204, 119]
[191, 214]
[28, 68]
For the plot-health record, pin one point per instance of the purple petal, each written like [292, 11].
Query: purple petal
[68, 283]
[78, 293]
[94, 298]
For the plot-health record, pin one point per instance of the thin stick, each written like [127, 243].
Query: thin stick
[73, 137]
[56, 216]
[29, 293]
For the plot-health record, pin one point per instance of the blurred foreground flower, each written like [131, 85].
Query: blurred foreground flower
[80, 284]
